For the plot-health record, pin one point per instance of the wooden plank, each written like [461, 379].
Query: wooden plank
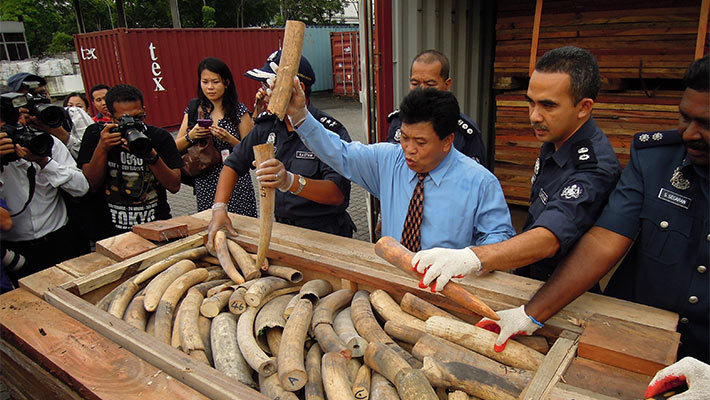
[702, 29]
[626, 345]
[88, 363]
[123, 246]
[40, 282]
[26, 379]
[606, 379]
[86, 264]
[535, 36]
[194, 225]
[553, 366]
[203, 378]
[161, 231]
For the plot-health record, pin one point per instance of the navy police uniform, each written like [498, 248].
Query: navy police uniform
[298, 159]
[467, 136]
[570, 187]
[662, 201]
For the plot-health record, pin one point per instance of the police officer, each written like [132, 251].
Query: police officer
[430, 68]
[311, 194]
[659, 209]
[572, 177]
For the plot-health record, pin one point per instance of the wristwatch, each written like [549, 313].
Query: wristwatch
[301, 184]
[188, 139]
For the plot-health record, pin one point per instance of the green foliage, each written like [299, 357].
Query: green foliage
[61, 42]
[40, 19]
[208, 17]
[312, 12]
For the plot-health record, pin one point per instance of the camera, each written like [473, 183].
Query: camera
[37, 142]
[133, 131]
[40, 106]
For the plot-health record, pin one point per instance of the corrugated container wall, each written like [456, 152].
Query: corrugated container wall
[162, 63]
[461, 29]
[316, 48]
[346, 63]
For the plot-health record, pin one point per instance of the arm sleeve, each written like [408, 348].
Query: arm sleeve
[492, 222]
[569, 218]
[242, 155]
[92, 134]
[167, 149]
[61, 171]
[354, 161]
[621, 214]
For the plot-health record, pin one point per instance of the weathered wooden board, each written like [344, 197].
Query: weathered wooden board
[86, 264]
[48, 278]
[612, 381]
[123, 246]
[89, 364]
[194, 225]
[161, 231]
[621, 344]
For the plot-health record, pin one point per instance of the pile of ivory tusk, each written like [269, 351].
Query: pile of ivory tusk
[310, 341]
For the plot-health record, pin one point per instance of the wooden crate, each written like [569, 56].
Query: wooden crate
[319, 255]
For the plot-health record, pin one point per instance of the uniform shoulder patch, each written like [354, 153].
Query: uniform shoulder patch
[330, 122]
[583, 154]
[466, 126]
[658, 138]
[391, 115]
[264, 116]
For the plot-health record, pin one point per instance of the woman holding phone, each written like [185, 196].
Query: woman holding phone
[217, 112]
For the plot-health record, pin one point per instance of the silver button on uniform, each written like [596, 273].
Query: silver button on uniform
[702, 269]
[684, 320]
[708, 237]
[664, 224]
[693, 299]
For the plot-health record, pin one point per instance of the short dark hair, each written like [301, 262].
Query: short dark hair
[100, 86]
[429, 56]
[579, 64]
[122, 93]
[698, 75]
[431, 105]
[79, 95]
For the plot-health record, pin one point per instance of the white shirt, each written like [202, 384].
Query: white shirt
[46, 212]
[80, 120]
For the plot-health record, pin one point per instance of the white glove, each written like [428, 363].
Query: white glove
[443, 264]
[689, 370]
[513, 322]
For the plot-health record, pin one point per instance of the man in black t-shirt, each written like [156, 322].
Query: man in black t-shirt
[133, 185]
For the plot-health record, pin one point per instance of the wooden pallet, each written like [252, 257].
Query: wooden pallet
[319, 255]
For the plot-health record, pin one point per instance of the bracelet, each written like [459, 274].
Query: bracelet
[153, 160]
[189, 140]
[290, 177]
[219, 206]
[536, 322]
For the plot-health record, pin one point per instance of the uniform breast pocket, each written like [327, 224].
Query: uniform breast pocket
[305, 167]
[665, 233]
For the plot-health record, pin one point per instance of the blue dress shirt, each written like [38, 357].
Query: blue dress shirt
[463, 202]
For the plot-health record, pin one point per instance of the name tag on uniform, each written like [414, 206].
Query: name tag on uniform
[543, 196]
[305, 155]
[674, 198]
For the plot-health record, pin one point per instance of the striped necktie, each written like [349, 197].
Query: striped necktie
[411, 232]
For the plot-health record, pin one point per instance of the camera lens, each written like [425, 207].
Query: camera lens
[138, 143]
[50, 115]
[38, 143]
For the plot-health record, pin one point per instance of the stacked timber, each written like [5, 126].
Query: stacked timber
[643, 51]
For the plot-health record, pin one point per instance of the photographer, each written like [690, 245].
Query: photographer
[35, 166]
[39, 112]
[130, 164]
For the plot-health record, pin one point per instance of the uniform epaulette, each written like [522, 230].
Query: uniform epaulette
[466, 127]
[330, 123]
[583, 154]
[391, 115]
[658, 138]
[264, 116]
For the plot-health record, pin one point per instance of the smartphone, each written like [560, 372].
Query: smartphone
[205, 123]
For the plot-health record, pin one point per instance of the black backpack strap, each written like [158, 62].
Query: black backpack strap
[192, 109]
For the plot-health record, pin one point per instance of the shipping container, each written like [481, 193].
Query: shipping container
[162, 63]
[346, 62]
[317, 49]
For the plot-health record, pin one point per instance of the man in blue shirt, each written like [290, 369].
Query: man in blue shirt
[463, 202]
[572, 178]
[658, 212]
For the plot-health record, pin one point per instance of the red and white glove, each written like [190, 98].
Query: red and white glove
[694, 373]
[443, 264]
[513, 322]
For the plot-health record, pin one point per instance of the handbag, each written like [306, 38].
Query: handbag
[202, 155]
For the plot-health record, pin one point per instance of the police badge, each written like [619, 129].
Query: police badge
[571, 192]
[397, 134]
[678, 181]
